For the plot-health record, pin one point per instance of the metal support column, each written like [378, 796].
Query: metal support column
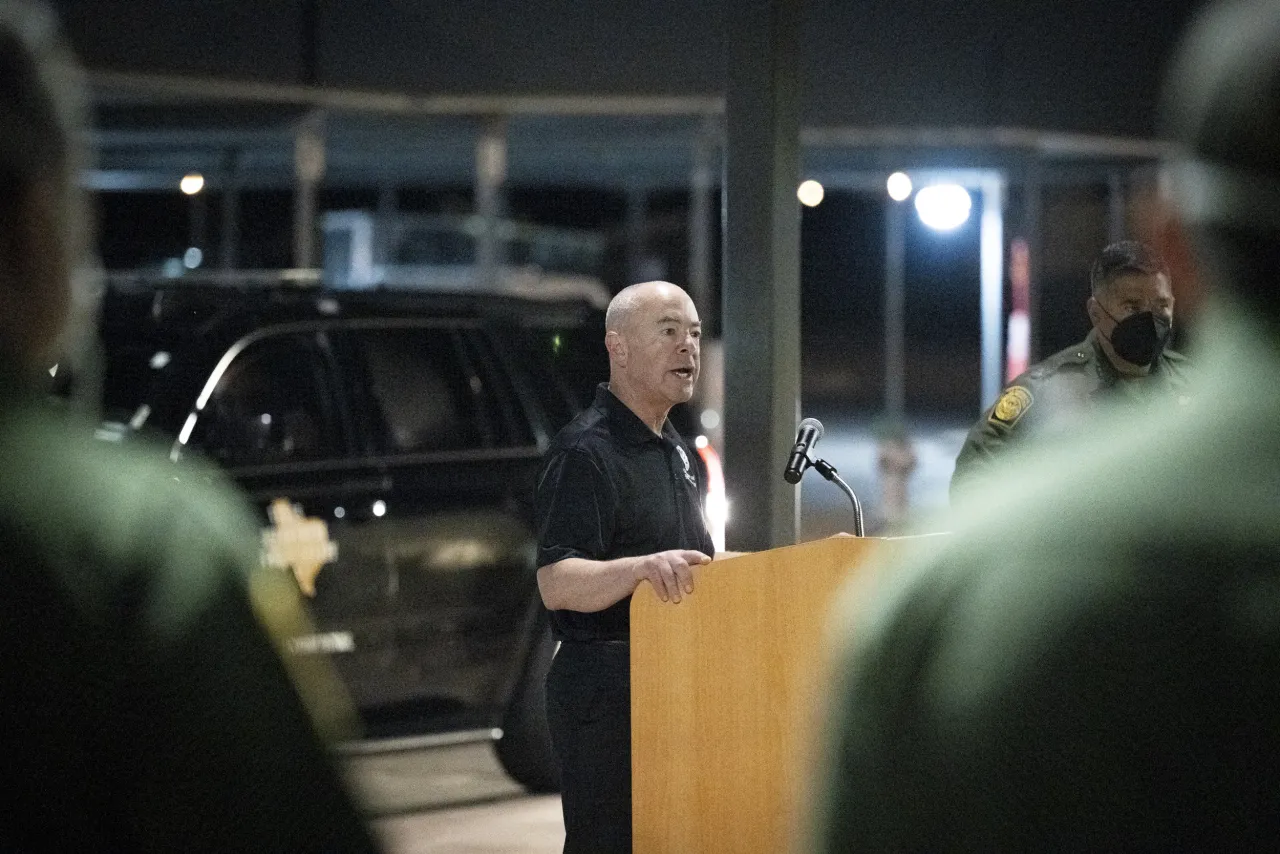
[198, 238]
[895, 351]
[1032, 206]
[636, 224]
[701, 183]
[491, 174]
[762, 271]
[388, 207]
[232, 179]
[1117, 224]
[309, 163]
[991, 265]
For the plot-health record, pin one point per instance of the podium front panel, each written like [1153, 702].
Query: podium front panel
[724, 698]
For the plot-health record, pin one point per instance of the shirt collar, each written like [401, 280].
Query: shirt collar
[628, 424]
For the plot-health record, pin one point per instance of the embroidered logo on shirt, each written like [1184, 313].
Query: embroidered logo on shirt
[1015, 401]
[684, 458]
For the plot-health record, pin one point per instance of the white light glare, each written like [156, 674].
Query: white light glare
[810, 193]
[191, 183]
[192, 258]
[700, 442]
[899, 186]
[717, 514]
[943, 207]
[379, 508]
[710, 419]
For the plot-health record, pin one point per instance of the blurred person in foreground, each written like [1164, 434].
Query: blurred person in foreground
[618, 503]
[1124, 360]
[1092, 660]
[144, 706]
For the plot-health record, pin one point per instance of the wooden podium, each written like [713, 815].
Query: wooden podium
[724, 699]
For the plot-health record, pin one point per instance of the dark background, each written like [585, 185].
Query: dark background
[1086, 67]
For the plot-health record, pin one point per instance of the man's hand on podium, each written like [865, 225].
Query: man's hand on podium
[670, 573]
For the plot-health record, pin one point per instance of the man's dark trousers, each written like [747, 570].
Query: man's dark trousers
[589, 713]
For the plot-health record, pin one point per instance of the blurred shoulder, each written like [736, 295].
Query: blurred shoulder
[122, 503]
[1070, 359]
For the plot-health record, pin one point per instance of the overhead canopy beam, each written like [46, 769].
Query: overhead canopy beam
[112, 87]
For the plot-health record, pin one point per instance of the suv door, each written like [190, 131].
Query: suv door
[273, 418]
[436, 417]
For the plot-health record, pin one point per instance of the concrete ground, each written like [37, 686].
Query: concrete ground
[453, 800]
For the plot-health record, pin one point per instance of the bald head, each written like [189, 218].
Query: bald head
[632, 301]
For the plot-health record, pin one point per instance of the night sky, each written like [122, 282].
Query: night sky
[842, 307]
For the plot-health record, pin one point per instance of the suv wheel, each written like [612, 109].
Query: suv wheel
[525, 747]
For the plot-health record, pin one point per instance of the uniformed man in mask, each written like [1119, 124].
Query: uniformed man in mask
[1124, 358]
[1090, 660]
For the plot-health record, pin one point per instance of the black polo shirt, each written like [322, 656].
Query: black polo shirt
[611, 488]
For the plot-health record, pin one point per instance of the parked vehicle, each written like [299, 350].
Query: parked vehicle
[390, 440]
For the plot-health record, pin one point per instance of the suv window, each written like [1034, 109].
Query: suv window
[565, 364]
[273, 405]
[428, 391]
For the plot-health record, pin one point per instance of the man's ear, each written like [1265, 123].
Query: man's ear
[617, 347]
[1095, 312]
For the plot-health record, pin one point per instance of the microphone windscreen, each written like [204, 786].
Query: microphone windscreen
[815, 424]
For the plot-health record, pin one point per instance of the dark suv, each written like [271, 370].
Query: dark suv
[395, 438]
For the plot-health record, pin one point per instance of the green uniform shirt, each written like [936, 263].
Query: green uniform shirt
[144, 705]
[1056, 398]
[1090, 660]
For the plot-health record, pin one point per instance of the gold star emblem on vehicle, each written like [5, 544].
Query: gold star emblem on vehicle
[298, 543]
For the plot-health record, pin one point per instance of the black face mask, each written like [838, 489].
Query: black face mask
[1140, 338]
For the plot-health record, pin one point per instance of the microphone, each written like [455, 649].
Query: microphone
[807, 436]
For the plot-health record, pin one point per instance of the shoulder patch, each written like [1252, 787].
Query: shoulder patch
[1011, 406]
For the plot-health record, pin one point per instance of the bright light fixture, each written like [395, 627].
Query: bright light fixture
[810, 193]
[899, 186]
[191, 183]
[943, 207]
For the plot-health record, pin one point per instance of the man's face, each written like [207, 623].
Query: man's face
[1132, 293]
[1129, 294]
[662, 346]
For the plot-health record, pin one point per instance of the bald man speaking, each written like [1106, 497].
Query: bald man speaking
[618, 503]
